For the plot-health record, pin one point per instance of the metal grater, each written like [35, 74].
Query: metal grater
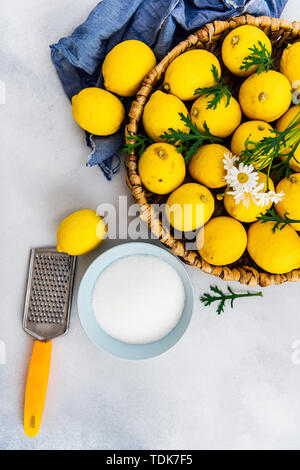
[49, 293]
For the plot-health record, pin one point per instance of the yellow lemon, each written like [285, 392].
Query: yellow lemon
[161, 168]
[222, 241]
[265, 96]
[189, 206]
[206, 165]
[250, 213]
[290, 64]
[126, 65]
[255, 131]
[161, 113]
[236, 46]
[81, 232]
[189, 71]
[290, 204]
[277, 252]
[281, 125]
[98, 111]
[221, 121]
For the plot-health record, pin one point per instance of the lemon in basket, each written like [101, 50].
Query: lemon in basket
[281, 125]
[161, 113]
[290, 204]
[278, 251]
[235, 48]
[248, 214]
[290, 64]
[255, 131]
[98, 111]
[222, 241]
[126, 65]
[221, 121]
[80, 232]
[189, 71]
[161, 168]
[265, 96]
[189, 207]
[206, 165]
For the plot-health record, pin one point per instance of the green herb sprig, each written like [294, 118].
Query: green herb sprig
[259, 56]
[221, 297]
[280, 222]
[139, 142]
[188, 144]
[217, 91]
[268, 151]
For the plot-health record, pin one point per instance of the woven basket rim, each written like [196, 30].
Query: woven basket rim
[243, 274]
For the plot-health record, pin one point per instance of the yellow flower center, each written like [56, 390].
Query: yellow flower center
[243, 177]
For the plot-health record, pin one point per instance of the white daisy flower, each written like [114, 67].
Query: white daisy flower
[256, 195]
[240, 196]
[229, 160]
[263, 199]
[243, 183]
[242, 178]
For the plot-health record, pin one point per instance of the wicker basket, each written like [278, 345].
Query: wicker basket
[209, 37]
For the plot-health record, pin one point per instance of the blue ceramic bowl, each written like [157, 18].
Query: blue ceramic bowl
[98, 335]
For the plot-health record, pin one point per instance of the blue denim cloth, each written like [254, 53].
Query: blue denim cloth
[159, 23]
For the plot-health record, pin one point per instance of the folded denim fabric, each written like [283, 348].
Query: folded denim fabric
[159, 23]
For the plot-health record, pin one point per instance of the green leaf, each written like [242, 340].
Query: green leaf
[259, 55]
[221, 297]
[188, 143]
[217, 91]
[268, 152]
[280, 222]
[137, 142]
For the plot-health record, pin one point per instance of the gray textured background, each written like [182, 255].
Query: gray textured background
[229, 383]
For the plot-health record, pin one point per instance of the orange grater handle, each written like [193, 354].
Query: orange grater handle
[36, 387]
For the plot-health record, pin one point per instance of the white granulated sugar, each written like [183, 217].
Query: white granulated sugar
[138, 299]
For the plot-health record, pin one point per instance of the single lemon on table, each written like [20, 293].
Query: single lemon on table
[126, 65]
[189, 71]
[290, 204]
[221, 121]
[206, 165]
[189, 207]
[265, 96]
[97, 111]
[276, 252]
[235, 48]
[255, 131]
[281, 125]
[161, 113]
[290, 64]
[222, 241]
[80, 232]
[161, 168]
[248, 214]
